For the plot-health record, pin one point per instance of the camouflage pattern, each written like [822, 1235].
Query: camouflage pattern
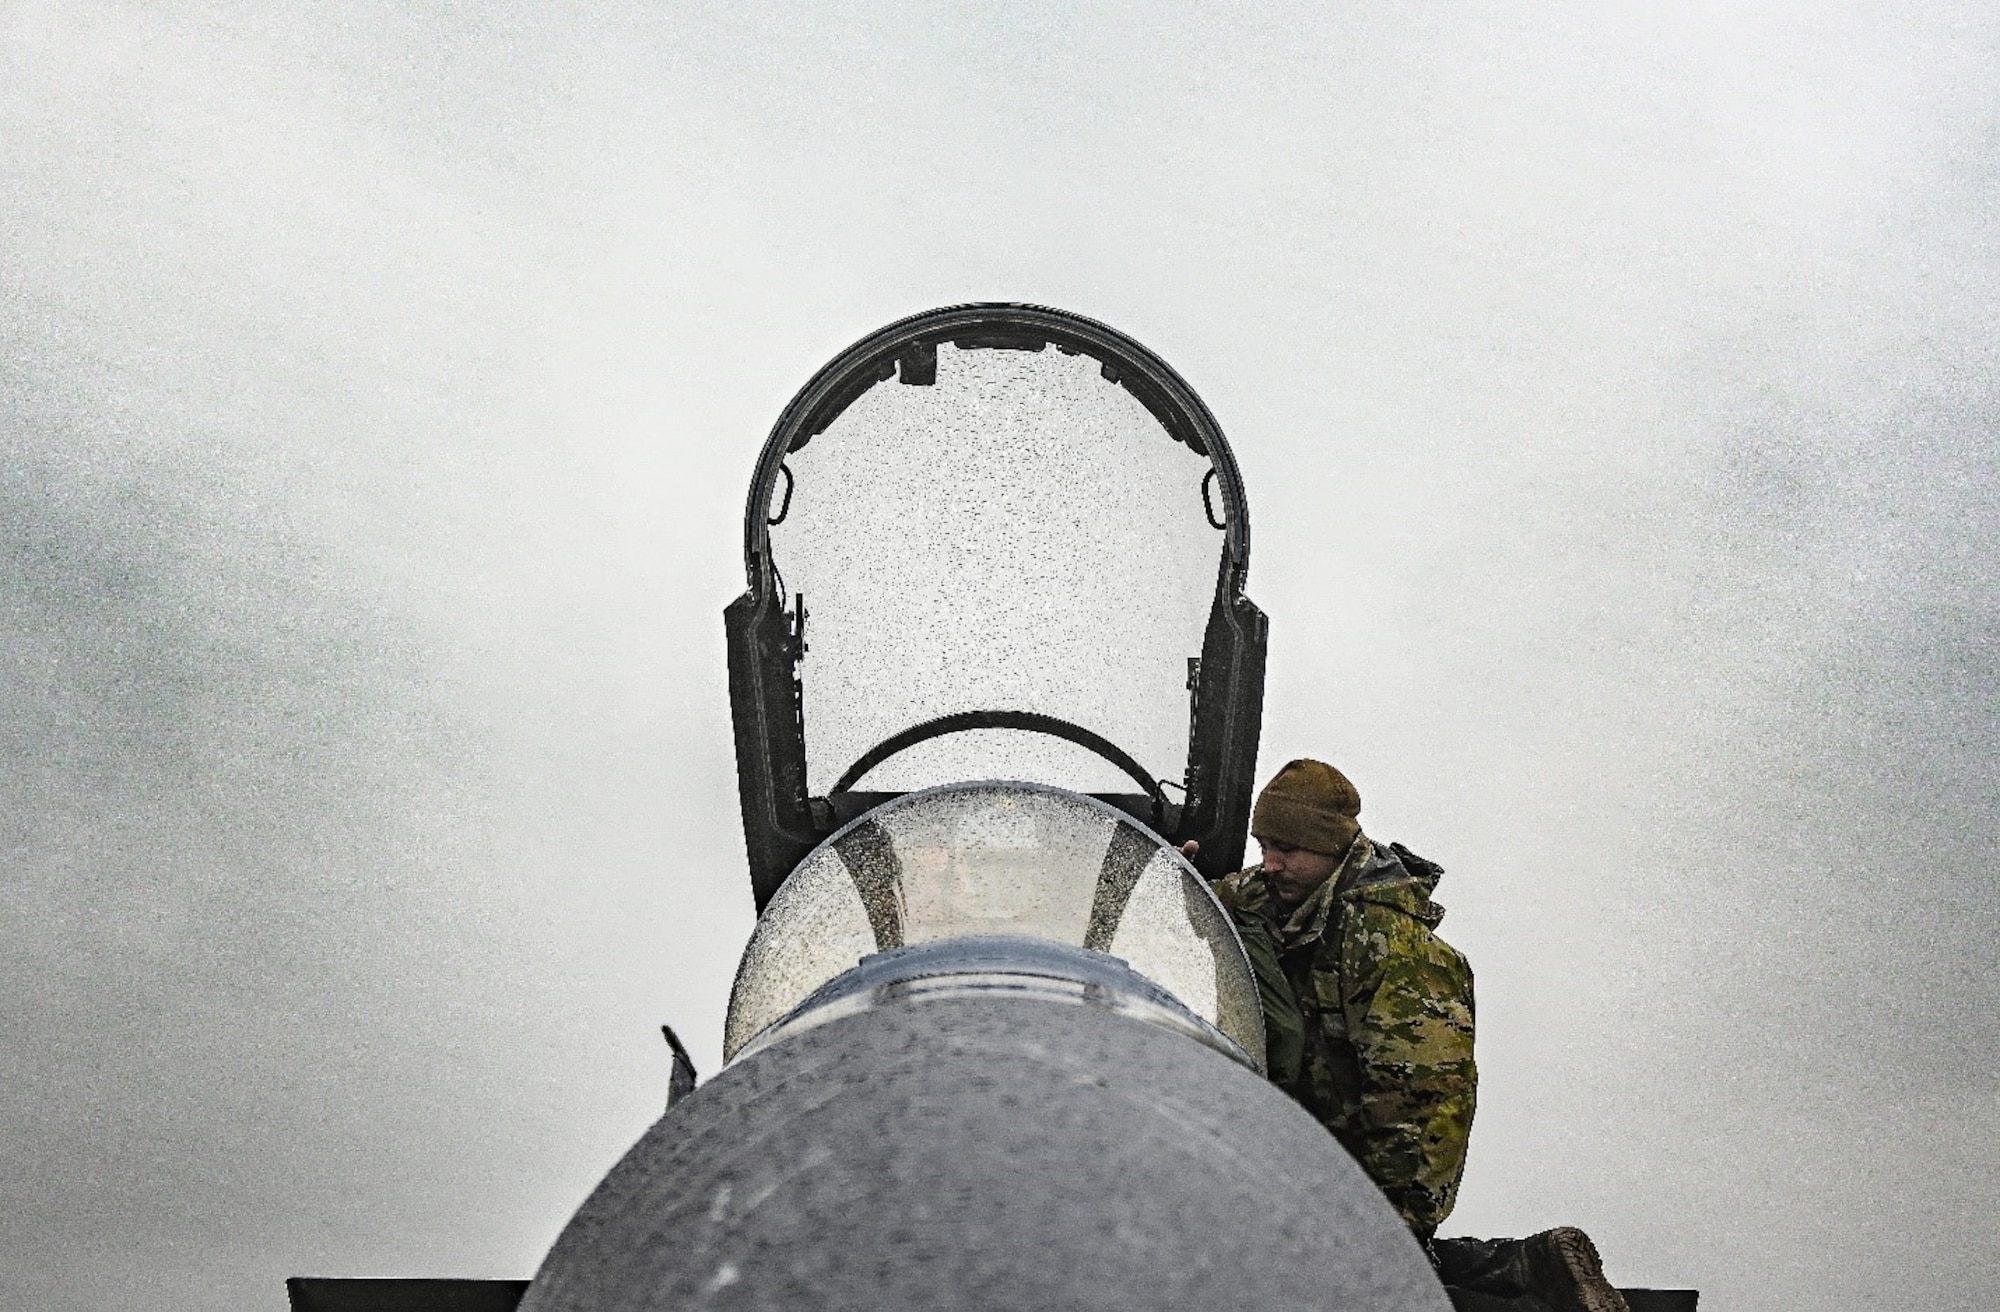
[1368, 1018]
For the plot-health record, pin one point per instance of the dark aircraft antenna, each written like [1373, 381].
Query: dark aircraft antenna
[781, 821]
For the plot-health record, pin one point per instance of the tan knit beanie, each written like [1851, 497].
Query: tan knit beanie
[1308, 804]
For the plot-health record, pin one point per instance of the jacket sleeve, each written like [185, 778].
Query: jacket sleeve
[1284, 1022]
[1407, 998]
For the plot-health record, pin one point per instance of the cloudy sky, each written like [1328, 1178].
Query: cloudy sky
[1614, 385]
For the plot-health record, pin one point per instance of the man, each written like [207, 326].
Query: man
[1368, 1019]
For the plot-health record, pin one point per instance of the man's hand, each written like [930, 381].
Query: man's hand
[1189, 848]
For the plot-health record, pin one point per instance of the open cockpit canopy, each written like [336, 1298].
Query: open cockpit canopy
[995, 541]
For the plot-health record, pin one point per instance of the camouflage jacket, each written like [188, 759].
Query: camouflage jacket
[1368, 1019]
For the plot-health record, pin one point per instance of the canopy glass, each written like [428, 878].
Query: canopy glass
[1019, 533]
[978, 860]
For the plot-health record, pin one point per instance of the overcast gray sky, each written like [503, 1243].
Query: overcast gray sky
[1615, 390]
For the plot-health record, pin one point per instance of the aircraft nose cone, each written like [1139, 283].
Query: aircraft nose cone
[982, 1152]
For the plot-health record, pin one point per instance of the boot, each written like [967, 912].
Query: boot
[1565, 1272]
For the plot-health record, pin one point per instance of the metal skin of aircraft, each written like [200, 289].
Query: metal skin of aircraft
[993, 1043]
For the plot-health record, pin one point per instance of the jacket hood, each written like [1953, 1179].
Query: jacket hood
[1391, 875]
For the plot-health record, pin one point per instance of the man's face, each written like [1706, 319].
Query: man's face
[1294, 872]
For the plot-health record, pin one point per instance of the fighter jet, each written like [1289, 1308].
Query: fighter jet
[993, 1042]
